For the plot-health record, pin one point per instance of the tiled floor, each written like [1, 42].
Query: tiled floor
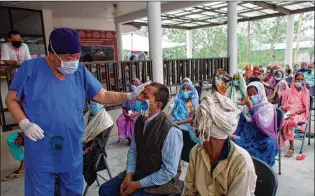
[297, 177]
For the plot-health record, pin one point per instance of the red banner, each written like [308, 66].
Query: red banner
[99, 38]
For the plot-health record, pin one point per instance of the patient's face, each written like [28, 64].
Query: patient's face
[252, 91]
[186, 89]
[235, 77]
[278, 74]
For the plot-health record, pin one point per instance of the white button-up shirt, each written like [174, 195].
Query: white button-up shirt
[10, 53]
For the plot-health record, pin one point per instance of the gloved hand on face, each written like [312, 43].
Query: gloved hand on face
[138, 91]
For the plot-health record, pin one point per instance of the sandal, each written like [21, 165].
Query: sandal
[12, 176]
[300, 157]
[290, 153]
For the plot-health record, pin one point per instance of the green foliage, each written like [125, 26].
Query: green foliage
[212, 42]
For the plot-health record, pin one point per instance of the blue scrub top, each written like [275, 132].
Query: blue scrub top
[57, 107]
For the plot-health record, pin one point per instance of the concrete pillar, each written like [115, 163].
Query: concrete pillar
[232, 36]
[48, 25]
[120, 51]
[155, 39]
[289, 41]
[189, 43]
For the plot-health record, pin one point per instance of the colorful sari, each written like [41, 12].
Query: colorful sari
[237, 95]
[257, 72]
[182, 109]
[293, 101]
[279, 87]
[219, 82]
[126, 125]
[257, 128]
[248, 72]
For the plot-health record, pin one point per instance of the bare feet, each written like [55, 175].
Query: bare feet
[290, 153]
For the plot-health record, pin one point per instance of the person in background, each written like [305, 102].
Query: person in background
[54, 90]
[133, 57]
[296, 69]
[303, 68]
[261, 69]
[237, 92]
[15, 142]
[267, 70]
[296, 104]
[221, 81]
[248, 72]
[280, 86]
[126, 121]
[257, 72]
[154, 155]
[257, 128]
[269, 81]
[218, 166]
[14, 52]
[287, 73]
[186, 103]
[142, 56]
[309, 75]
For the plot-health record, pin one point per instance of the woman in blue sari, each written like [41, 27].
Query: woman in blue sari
[257, 126]
[186, 103]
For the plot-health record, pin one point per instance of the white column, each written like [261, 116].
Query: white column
[48, 25]
[232, 36]
[189, 43]
[120, 51]
[288, 49]
[155, 39]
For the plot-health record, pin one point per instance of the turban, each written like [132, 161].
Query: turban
[64, 41]
[216, 117]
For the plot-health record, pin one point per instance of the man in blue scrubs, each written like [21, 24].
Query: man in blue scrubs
[54, 90]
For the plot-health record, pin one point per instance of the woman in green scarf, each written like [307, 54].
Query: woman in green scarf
[237, 91]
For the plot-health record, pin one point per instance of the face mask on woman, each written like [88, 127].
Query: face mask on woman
[278, 78]
[235, 83]
[133, 87]
[255, 99]
[299, 84]
[186, 95]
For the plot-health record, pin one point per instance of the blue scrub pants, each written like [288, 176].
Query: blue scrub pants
[112, 188]
[43, 183]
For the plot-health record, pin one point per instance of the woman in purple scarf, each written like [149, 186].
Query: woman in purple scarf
[127, 119]
[257, 127]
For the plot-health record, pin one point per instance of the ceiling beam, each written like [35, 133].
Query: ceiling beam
[309, 9]
[139, 24]
[273, 7]
[165, 7]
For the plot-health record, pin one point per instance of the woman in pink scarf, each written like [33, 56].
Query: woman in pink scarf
[296, 104]
[126, 120]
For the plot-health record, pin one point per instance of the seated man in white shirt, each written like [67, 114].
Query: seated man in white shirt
[14, 52]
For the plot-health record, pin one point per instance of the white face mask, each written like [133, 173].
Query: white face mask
[67, 67]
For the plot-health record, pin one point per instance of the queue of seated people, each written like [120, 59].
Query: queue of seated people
[228, 127]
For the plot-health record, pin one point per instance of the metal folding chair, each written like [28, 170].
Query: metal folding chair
[102, 156]
[280, 116]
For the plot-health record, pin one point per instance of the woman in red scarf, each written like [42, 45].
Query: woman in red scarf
[248, 72]
[296, 104]
[257, 72]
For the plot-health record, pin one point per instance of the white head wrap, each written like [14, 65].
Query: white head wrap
[216, 117]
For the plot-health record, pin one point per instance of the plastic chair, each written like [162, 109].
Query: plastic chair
[199, 90]
[267, 181]
[289, 80]
[280, 116]
[188, 145]
[102, 156]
